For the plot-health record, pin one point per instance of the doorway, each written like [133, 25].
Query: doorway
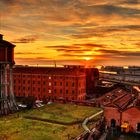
[138, 127]
[113, 123]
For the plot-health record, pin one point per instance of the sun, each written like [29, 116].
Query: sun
[87, 58]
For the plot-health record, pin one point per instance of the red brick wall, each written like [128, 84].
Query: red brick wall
[111, 113]
[132, 116]
[52, 86]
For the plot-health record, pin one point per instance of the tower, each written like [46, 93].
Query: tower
[7, 100]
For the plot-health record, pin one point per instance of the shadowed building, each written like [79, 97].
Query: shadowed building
[7, 101]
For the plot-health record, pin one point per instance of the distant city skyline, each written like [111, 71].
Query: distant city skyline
[88, 32]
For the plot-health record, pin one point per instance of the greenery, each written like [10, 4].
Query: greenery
[16, 127]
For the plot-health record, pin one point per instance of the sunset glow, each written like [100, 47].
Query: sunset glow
[87, 58]
[71, 31]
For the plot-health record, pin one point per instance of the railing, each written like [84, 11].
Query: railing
[130, 80]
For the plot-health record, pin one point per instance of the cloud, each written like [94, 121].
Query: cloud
[76, 48]
[131, 2]
[27, 39]
[104, 31]
[120, 53]
[27, 53]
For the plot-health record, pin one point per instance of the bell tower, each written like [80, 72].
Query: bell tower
[7, 100]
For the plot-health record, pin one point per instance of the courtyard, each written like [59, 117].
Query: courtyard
[24, 125]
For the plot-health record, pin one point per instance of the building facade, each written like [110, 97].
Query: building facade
[123, 112]
[67, 83]
[7, 101]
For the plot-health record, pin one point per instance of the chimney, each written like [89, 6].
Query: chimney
[1, 37]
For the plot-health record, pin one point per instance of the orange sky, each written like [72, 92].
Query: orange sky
[103, 32]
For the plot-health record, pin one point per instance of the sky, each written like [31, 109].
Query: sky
[93, 32]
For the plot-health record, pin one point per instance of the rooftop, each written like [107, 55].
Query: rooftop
[49, 70]
[4, 43]
[119, 98]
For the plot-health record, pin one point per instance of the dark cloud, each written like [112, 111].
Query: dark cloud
[131, 2]
[120, 53]
[8, 1]
[77, 55]
[76, 48]
[74, 51]
[105, 31]
[63, 47]
[27, 53]
[107, 9]
[137, 44]
[91, 45]
[27, 39]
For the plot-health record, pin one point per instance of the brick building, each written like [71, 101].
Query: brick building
[68, 82]
[122, 112]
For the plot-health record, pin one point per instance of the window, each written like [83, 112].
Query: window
[60, 83]
[28, 88]
[72, 91]
[44, 83]
[67, 91]
[50, 91]
[50, 77]
[54, 83]
[38, 82]
[66, 83]
[60, 91]
[50, 83]
[72, 84]
[54, 90]
[38, 89]
[33, 88]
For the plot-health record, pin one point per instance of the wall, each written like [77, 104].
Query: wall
[50, 83]
[132, 116]
[111, 113]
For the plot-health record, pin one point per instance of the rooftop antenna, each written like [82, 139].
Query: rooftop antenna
[55, 63]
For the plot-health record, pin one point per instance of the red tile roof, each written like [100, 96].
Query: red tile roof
[118, 98]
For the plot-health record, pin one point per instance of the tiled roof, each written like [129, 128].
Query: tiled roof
[118, 98]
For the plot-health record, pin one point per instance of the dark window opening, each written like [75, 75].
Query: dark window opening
[138, 127]
[113, 123]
